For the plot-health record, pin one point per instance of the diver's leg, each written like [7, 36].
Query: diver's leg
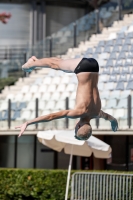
[68, 65]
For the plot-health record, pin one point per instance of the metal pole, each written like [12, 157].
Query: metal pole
[15, 151]
[25, 59]
[129, 111]
[120, 9]
[127, 153]
[67, 107]
[36, 115]
[97, 21]
[34, 162]
[6, 53]
[55, 159]
[97, 122]
[74, 164]
[69, 172]
[74, 35]
[50, 46]
[35, 139]
[10, 53]
[9, 113]
[36, 110]
[33, 19]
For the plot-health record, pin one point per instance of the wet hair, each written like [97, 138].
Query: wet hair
[83, 132]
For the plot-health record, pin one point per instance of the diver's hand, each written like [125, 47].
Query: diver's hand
[114, 125]
[22, 128]
[29, 65]
[4, 17]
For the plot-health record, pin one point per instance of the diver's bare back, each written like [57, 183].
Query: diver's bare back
[87, 96]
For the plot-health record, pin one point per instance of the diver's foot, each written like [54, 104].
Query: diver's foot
[30, 64]
[114, 125]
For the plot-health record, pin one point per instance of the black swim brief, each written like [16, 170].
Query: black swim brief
[87, 65]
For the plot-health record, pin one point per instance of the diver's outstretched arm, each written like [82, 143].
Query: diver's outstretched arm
[46, 118]
[106, 116]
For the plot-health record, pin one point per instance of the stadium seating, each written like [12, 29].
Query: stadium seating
[113, 50]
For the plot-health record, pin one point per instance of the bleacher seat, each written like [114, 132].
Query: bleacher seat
[21, 105]
[18, 97]
[71, 87]
[16, 115]
[30, 106]
[113, 56]
[129, 85]
[27, 97]
[50, 105]
[33, 89]
[100, 86]
[128, 62]
[125, 70]
[42, 89]
[25, 89]
[113, 78]
[9, 96]
[115, 94]
[104, 94]
[51, 88]
[119, 113]
[109, 86]
[122, 103]
[25, 115]
[61, 88]
[112, 103]
[120, 86]
[106, 70]
[4, 106]
[47, 80]
[56, 80]
[119, 63]
[46, 96]
[60, 105]
[110, 63]
[103, 78]
[71, 104]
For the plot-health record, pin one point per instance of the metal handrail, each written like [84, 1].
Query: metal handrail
[101, 186]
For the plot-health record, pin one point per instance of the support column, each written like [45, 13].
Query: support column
[120, 9]
[43, 27]
[74, 36]
[43, 6]
[129, 116]
[97, 21]
[127, 153]
[15, 151]
[33, 23]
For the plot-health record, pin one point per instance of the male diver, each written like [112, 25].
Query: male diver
[88, 103]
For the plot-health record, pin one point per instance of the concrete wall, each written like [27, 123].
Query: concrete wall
[17, 30]
[58, 16]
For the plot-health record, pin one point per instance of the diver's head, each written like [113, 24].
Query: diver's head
[83, 130]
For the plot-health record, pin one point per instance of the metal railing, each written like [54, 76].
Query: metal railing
[101, 186]
[11, 61]
[80, 30]
[66, 106]
[12, 52]
[68, 37]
